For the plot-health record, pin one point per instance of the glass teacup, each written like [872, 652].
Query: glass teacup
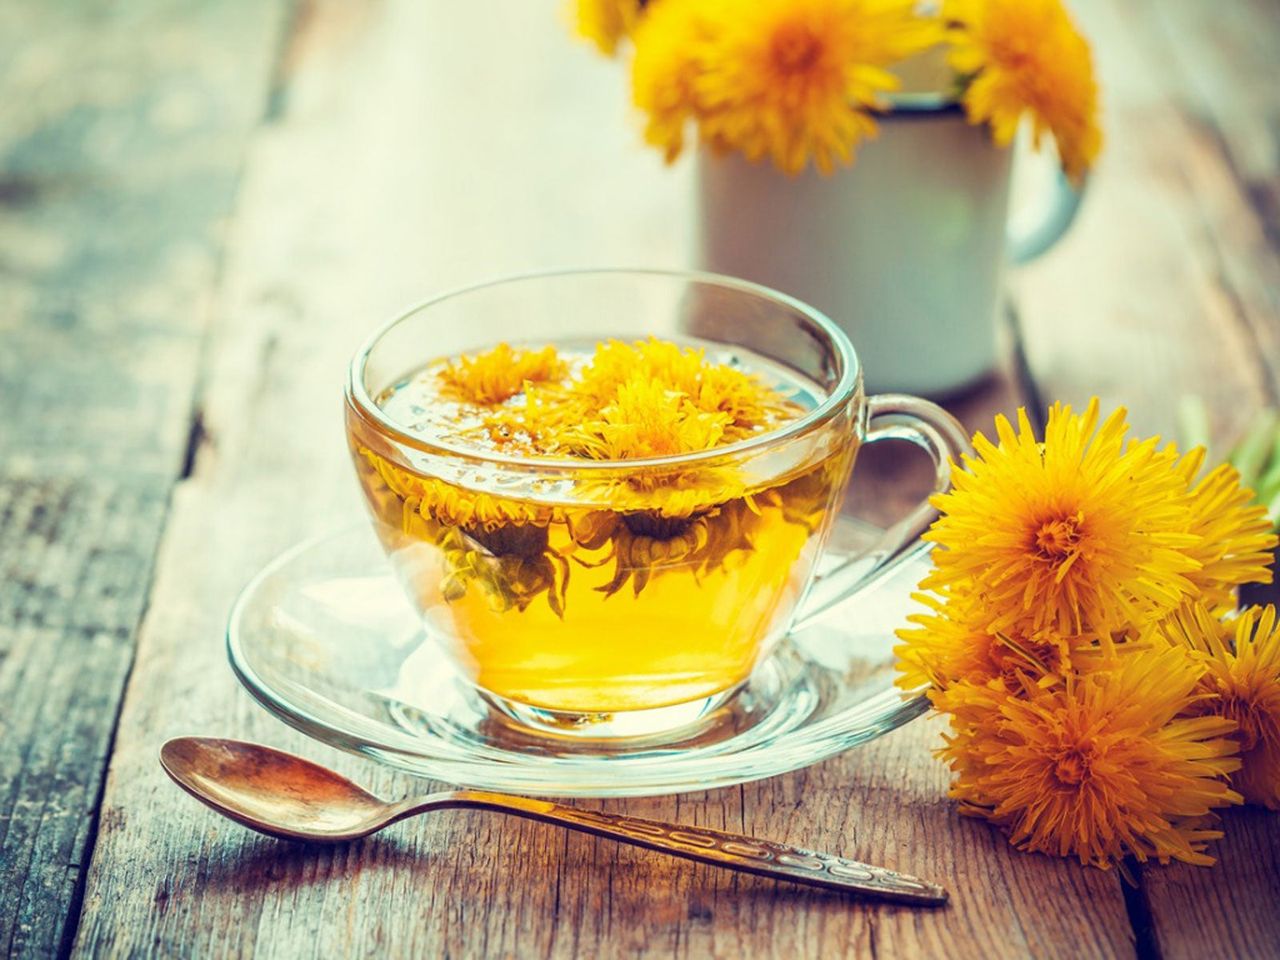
[602, 597]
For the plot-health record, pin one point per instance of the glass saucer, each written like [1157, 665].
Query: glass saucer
[326, 641]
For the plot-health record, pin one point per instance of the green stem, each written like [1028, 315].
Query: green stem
[1193, 422]
[1251, 453]
[1269, 484]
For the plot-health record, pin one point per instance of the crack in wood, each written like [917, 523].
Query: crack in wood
[1138, 906]
[75, 903]
[19, 191]
[277, 98]
[197, 437]
[1026, 381]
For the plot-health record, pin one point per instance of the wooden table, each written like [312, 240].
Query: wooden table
[205, 206]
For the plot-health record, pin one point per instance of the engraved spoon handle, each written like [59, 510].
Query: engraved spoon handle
[716, 847]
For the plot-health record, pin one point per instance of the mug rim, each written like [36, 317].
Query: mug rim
[846, 387]
[919, 105]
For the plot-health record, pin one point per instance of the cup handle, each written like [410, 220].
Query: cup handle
[1034, 234]
[893, 416]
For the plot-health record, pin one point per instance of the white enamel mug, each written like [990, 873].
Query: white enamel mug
[905, 250]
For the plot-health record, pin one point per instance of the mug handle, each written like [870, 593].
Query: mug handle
[893, 416]
[1034, 234]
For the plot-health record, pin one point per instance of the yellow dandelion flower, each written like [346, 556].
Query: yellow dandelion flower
[1236, 537]
[1026, 57]
[646, 419]
[1241, 683]
[744, 402]
[794, 79]
[649, 398]
[674, 495]
[436, 500]
[742, 398]
[949, 644]
[538, 425]
[500, 373]
[1079, 533]
[615, 362]
[1097, 768]
[664, 73]
[606, 22]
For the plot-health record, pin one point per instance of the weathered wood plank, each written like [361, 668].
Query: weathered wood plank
[77, 557]
[119, 149]
[1169, 286]
[347, 213]
[1214, 61]
[1218, 60]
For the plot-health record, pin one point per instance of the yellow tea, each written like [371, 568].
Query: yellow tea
[607, 588]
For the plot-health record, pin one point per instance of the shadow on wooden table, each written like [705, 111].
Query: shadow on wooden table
[263, 862]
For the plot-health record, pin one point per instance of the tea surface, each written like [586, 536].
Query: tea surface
[541, 401]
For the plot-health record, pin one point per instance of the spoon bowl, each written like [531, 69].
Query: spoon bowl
[285, 796]
[272, 792]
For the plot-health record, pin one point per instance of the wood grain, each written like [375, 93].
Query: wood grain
[1215, 64]
[77, 556]
[1170, 285]
[120, 141]
[435, 191]
[1218, 61]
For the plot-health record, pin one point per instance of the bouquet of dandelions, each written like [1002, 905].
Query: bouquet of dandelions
[1080, 633]
[802, 81]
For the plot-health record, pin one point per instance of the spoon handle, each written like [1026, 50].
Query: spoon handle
[718, 848]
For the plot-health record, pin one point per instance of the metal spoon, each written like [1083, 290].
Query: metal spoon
[286, 796]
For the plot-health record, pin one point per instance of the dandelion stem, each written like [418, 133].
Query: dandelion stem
[1251, 453]
[1193, 422]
